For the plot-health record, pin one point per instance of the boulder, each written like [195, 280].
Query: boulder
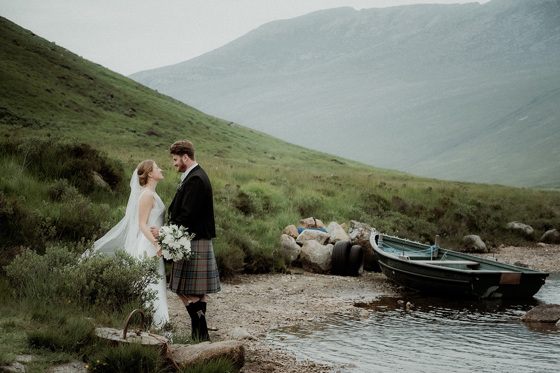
[313, 235]
[548, 313]
[359, 235]
[473, 243]
[311, 223]
[115, 337]
[98, 180]
[316, 257]
[240, 334]
[551, 236]
[291, 230]
[337, 233]
[291, 249]
[524, 229]
[189, 355]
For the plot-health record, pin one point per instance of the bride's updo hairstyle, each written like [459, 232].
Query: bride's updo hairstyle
[144, 168]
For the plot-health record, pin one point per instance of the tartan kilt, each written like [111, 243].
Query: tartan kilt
[198, 275]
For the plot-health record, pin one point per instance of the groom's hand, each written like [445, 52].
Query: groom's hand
[155, 231]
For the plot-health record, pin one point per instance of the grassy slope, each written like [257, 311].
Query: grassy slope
[261, 184]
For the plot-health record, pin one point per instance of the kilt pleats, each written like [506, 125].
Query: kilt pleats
[198, 275]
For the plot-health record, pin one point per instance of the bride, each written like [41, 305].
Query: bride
[145, 209]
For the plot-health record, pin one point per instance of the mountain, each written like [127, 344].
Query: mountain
[464, 92]
[62, 117]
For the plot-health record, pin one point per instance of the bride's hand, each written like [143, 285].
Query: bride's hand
[155, 231]
[159, 253]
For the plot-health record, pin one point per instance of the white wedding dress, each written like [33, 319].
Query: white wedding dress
[127, 235]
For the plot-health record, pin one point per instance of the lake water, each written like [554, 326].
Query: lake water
[433, 335]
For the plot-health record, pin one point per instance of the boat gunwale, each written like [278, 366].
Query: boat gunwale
[504, 267]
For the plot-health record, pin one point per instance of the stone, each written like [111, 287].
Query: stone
[190, 355]
[521, 228]
[473, 243]
[291, 230]
[240, 334]
[98, 180]
[548, 313]
[551, 236]
[311, 223]
[291, 248]
[337, 233]
[359, 235]
[313, 235]
[316, 257]
[115, 336]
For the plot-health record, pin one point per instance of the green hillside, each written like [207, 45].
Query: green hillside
[62, 117]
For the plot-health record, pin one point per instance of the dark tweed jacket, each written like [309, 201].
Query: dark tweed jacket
[193, 205]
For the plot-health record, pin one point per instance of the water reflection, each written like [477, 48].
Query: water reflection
[413, 333]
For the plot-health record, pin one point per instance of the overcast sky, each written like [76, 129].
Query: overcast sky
[127, 36]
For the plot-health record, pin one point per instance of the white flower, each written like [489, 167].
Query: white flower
[175, 242]
[185, 242]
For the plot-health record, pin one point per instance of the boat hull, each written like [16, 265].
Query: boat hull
[492, 280]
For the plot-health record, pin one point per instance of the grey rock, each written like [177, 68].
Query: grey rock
[189, 355]
[316, 257]
[291, 249]
[291, 230]
[521, 228]
[240, 334]
[359, 235]
[313, 235]
[551, 236]
[337, 233]
[548, 313]
[474, 243]
[311, 223]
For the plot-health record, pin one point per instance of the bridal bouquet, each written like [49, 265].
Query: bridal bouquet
[175, 242]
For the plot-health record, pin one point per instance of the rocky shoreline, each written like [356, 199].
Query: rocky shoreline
[251, 305]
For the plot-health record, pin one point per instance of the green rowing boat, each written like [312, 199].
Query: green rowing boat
[446, 272]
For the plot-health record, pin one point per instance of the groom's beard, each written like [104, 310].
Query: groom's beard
[181, 166]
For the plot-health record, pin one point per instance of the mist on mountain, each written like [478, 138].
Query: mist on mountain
[464, 92]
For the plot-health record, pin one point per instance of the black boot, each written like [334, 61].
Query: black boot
[192, 309]
[202, 327]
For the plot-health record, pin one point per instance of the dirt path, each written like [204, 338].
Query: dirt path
[258, 303]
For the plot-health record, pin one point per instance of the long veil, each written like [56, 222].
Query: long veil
[124, 234]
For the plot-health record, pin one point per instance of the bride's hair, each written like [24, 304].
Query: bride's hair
[144, 168]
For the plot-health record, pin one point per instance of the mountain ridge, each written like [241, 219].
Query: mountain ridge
[441, 74]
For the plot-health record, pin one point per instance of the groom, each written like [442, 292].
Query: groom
[193, 208]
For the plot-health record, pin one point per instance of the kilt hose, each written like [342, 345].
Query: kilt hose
[198, 275]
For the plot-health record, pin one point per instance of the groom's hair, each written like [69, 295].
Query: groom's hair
[182, 147]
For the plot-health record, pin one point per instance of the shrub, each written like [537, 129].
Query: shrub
[111, 282]
[53, 159]
[308, 203]
[74, 216]
[92, 280]
[20, 227]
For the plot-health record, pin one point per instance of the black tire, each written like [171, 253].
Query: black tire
[355, 261]
[341, 250]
